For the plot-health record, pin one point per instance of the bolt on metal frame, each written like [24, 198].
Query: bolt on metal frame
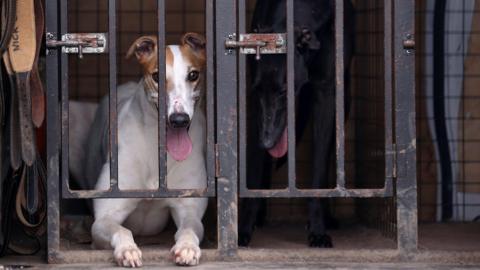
[226, 154]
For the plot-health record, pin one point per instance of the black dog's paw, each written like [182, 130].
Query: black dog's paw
[244, 239]
[320, 240]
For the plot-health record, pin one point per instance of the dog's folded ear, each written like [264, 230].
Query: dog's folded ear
[195, 41]
[306, 39]
[144, 48]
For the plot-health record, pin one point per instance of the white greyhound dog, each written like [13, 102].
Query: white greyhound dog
[117, 220]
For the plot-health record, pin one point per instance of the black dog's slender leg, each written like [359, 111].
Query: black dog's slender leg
[257, 162]
[323, 130]
[266, 183]
[253, 210]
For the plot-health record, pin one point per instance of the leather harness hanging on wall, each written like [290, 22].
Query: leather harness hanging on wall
[25, 183]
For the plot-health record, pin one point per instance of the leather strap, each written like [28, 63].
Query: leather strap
[13, 123]
[22, 51]
[9, 9]
[36, 86]
[7, 17]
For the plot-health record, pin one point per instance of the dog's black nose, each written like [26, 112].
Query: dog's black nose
[179, 120]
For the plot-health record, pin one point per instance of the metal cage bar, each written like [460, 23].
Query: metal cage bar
[339, 94]
[405, 130]
[291, 96]
[162, 137]
[210, 96]
[53, 82]
[242, 103]
[388, 106]
[64, 108]
[227, 201]
[112, 94]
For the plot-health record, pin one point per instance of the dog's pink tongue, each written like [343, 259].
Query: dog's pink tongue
[281, 147]
[179, 145]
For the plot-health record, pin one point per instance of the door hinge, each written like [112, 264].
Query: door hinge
[257, 44]
[394, 169]
[78, 43]
[409, 44]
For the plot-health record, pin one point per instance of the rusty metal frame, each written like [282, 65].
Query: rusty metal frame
[226, 154]
[57, 122]
[405, 128]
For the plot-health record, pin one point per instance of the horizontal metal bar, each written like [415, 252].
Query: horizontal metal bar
[157, 194]
[308, 193]
[308, 256]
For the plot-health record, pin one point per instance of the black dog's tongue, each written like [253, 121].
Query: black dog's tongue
[281, 147]
[179, 145]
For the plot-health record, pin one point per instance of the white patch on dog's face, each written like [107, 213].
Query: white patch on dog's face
[181, 90]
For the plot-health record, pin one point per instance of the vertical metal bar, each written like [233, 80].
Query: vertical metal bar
[406, 188]
[226, 81]
[339, 93]
[210, 102]
[388, 106]
[291, 96]
[112, 79]
[64, 104]
[162, 158]
[242, 102]
[53, 135]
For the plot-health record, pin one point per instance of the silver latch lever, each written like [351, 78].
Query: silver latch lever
[78, 43]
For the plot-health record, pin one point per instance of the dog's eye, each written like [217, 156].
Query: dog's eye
[192, 76]
[155, 77]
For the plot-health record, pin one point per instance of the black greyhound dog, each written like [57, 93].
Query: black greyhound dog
[315, 97]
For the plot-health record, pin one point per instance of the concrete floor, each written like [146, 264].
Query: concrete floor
[263, 266]
[441, 246]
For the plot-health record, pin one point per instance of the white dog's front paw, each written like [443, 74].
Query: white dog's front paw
[128, 256]
[186, 253]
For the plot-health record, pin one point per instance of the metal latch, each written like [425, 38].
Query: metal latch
[79, 43]
[258, 44]
[409, 43]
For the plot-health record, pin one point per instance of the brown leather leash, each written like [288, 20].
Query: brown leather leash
[36, 86]
[13, 123]
[21, 53]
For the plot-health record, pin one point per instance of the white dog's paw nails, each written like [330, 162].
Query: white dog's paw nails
[186, 253]
[129, 256]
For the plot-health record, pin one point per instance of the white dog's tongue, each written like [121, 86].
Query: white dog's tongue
[179, 145]
[281, 147]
